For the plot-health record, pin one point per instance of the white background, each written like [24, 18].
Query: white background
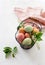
[8, 25]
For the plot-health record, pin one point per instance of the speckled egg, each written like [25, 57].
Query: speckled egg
[28, 28]
[27, 41]
[20, 37]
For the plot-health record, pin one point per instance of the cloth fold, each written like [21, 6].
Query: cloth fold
[36, 13]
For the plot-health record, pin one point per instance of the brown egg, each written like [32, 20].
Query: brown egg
[27, 35]
[21, 30]
[35, 29]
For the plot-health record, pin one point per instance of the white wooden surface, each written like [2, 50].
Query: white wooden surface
[8, 25]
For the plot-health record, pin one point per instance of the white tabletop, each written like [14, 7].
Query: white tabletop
[8, 25]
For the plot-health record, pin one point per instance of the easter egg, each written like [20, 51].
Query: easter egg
[27, 41]
[36, 30]
[20, 37]
[28, 28]
[21, 30]
[27, 35]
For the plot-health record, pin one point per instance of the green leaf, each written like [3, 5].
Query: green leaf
[39, 39]
[38, 36]
[33, 43]
[7, 51]
[13, 55]
[7, 55]
[14, 51]
[20, 25]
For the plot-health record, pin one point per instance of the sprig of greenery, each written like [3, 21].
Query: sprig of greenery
[14, 51]
[38, 36]
[8, 51]
[20, 25]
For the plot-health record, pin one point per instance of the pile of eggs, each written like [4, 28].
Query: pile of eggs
[24, 34]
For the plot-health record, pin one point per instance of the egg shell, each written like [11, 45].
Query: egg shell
[27, 35]
[20, 37]
[27, 41]
[36, 30]
[28, 28]
[21, 30]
